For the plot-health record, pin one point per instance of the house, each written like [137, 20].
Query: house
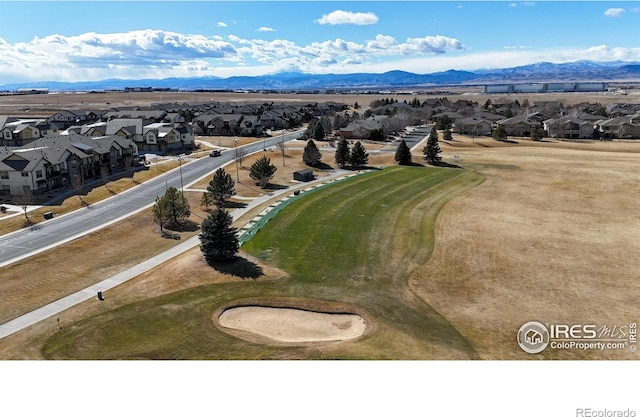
[304, 175]
[164, 137]
[624, 127]
[568, 127]
[60, 161]
[473, 126]
[518, 125]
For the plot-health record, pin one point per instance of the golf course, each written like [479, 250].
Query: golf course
[349, 248]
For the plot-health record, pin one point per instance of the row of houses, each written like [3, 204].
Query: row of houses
[62, 161]
[148, 135]
[565, 127]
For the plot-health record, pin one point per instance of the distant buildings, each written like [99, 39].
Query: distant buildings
[545, 88]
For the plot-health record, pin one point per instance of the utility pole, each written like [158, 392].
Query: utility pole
[235, 147]
[180, 163]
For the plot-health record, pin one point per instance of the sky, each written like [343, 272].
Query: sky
[97, 40]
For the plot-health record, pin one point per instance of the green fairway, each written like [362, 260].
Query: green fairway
[351, 246]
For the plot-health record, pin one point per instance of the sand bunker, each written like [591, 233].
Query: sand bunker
[292, 325]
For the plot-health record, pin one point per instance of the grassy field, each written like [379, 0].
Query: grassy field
[369, 279]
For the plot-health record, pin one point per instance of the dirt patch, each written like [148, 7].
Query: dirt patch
[291, 325]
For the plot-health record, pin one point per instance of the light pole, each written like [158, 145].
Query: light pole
[180, 163]
[282, 145]
[235, 147]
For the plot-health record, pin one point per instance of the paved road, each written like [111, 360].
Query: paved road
[28, 242]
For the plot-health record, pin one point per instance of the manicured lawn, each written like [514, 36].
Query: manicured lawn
[351, 246]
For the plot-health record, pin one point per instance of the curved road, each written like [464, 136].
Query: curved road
[27, 242]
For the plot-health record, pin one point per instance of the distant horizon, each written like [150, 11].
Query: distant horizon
[57, 41]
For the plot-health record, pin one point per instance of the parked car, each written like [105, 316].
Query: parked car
[215, 153]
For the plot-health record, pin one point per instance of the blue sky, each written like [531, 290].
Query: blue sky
[93, 40]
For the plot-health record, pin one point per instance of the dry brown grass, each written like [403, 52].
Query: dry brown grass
[549, 236]
[49, 104]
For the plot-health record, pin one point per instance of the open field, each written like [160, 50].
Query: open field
[47, 104]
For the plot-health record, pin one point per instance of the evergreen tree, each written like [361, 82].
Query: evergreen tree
[218, 240]
[499, 133]
[536, 133]
[160, 214]
[432, 148]
[262, 171]
[403, 154]
[177, 205]
[359, 156]
[444, 122]
[221, 187]
[446, 135]
[206, 201]
[327, 127]
[319, 133]
[311, 154]
[311, 127]
[342, 153]
[171, 208]
[376, 134]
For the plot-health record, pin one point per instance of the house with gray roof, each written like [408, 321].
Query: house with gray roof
[568, 127]
[59, 161]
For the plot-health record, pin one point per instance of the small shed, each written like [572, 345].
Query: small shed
[303, 175]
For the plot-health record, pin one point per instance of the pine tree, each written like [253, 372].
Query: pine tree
[446, 135]
[432, 148]
[262, 171]
[177, 205]
[218, 240]
[221, 187]
[342, 153]
[171, 208]
[319, 134]
[499, 133]
[403, 154]
[359, 156]
[311, 155]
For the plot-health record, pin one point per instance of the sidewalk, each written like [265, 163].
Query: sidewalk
[90, 292]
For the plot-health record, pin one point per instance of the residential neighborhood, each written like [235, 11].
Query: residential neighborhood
[41, 154]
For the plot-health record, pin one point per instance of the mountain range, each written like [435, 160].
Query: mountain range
[579, 71]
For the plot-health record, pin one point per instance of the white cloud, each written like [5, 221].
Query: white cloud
[221, 25]
[161, 54]
[614, 12]
[266, 29]
[341, 17]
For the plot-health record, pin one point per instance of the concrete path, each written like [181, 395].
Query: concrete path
[62, 304]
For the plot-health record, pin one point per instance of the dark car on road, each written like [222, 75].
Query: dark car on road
[215, 153]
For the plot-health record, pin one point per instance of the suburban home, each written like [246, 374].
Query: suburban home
[518, 125]
[60, 161]
[164, 137]
[67, 118]
[624, 127]
[568, 127]
[251, 126]
[361, 129]
[272, 119]
[22, 132]
[473, 126]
